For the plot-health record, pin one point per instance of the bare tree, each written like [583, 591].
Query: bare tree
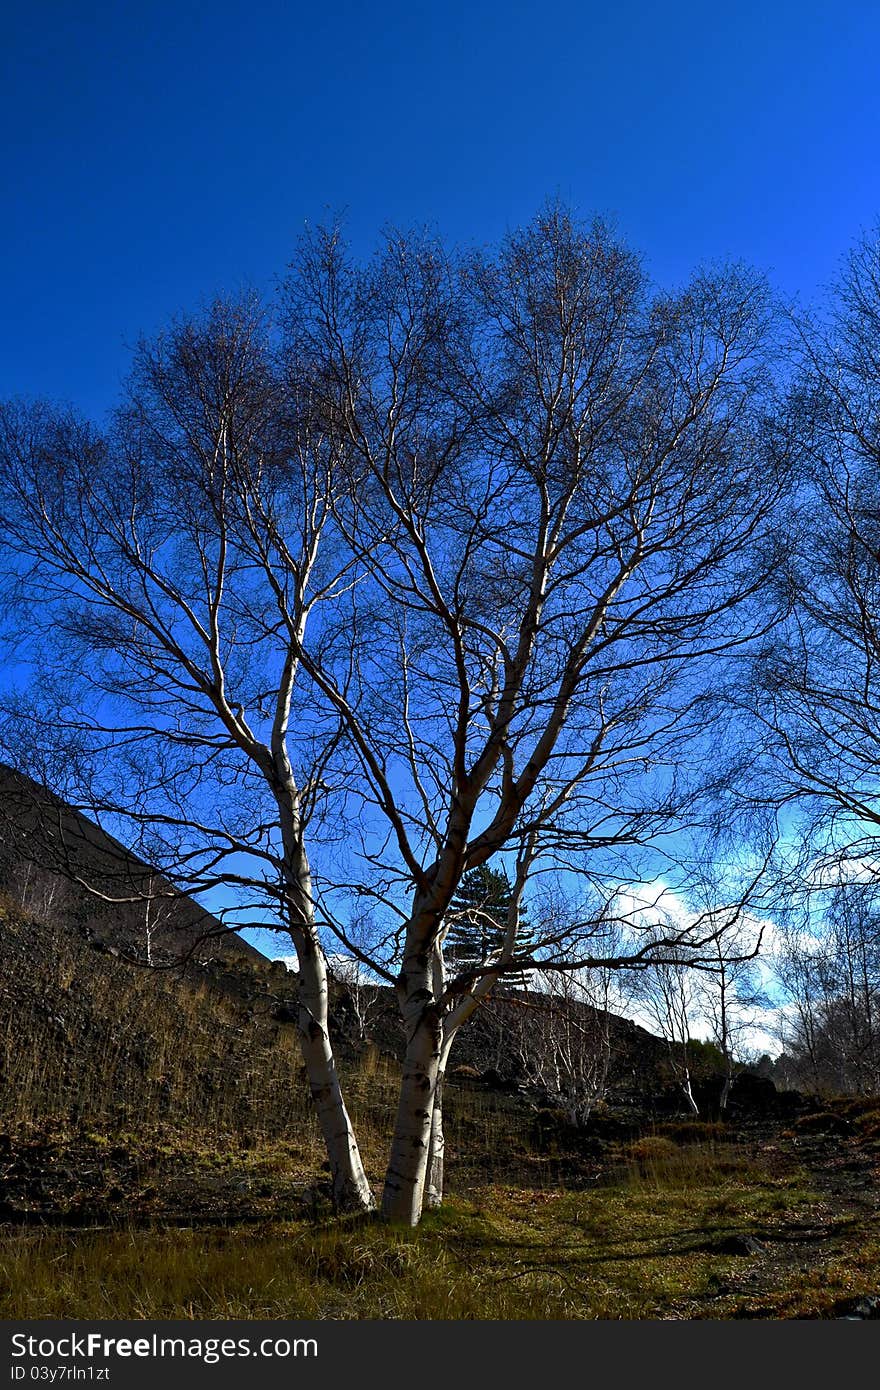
[815, 693]
[730, 997]
[157, 912]
[669, 994]
[797, 966]
[728, 983]
[163, 572]
[562, 1038]
[829, 974]
[440, 576]
[362, 987]
[565, 507]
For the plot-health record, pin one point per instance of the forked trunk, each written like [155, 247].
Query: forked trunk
[415, 1173]
[408, 1164]
[689, 1095]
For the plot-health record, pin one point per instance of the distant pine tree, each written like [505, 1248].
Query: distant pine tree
[478, 913]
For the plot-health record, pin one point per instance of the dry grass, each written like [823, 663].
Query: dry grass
[87, 1037]
[506, 1252]
[133, 1063]
[656, 1162]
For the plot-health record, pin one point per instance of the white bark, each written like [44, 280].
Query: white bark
[350, 1188]
[688, 1093]
[437, 1139]
[408, 1163]
[420, 992]
[436, 1145]
[463, 1010]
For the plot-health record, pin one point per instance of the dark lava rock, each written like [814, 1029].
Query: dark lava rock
[791, 1102]
[494, 1081]
[734, 1245]
[824, 1122]
[862, 1308]
[284, 1013]
[751, 1092]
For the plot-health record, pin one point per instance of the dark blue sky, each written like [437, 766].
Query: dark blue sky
[157, 152]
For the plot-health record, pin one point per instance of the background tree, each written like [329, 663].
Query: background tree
[730, 994]
[731, 997]
[816, 682]
[474, 935]
[561, 1036]
[363, 988]
[668, 992]
[815, 692]
[829, 975]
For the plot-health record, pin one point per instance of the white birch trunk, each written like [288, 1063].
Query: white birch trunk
[437, 1139]
[350, 1188]
[436, 1151]
[407, 1167]
[689, 1095]
[405, 1178]
[435, 1172]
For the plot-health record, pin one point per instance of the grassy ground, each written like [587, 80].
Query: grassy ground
[159, 1157]
[672, 1230]
[161, 1195]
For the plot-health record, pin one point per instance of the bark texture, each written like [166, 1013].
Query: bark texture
[437, 1142]
[406, 1176]
[350, 1188]
[349, 1185]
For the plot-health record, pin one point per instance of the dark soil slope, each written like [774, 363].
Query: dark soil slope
[86, 1036]
[62, 867]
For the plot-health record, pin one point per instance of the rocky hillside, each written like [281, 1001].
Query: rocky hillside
[61, 867]
[86, 1036]
[203, 1040]
[207, 1036]
[177, 1092]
